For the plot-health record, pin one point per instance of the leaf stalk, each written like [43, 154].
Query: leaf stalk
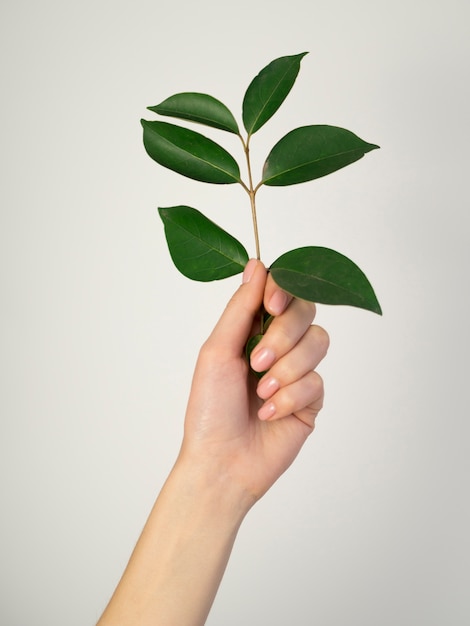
[252, 193]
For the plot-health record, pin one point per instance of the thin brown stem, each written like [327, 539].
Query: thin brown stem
[252, 193]
[255, 224]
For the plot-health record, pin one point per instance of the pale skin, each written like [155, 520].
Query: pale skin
[240, 435]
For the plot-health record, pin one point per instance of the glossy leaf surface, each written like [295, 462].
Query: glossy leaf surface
[324, 276]
[311, 152]
[198, 107]
[268, 90]
[189, 153]
[200, 249]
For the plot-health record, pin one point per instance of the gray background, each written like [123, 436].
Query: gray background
[99, 332]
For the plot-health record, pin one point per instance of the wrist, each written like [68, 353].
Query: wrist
[209, 481]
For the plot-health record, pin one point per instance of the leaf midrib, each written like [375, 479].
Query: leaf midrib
[184, 115]
[271, 96]
[203, 241]
[322, 280]
[306, 163]
[194, 156]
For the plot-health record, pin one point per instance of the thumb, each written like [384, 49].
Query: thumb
[234, 326]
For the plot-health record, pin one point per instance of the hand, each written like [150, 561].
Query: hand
[240, 428]
[239, 437]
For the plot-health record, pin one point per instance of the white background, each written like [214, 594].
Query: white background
[99, 332]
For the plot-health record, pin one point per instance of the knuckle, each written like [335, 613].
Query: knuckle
[317, 386]
[322, 338]
[317, 381]
[309, 308]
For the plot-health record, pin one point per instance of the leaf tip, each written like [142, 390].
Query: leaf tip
[373, 304]
[162, 211]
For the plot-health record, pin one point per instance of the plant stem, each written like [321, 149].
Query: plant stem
[255, 224]
[252, 194]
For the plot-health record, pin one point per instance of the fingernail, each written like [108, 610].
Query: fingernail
[267, 411]
[249, 270]
[262, 359]
[278, 302]
[267, 387]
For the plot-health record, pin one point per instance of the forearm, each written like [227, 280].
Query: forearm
[179, 560]
[231, 455]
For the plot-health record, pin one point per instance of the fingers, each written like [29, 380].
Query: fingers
[276, 300]
[303, 399]
[304, 357]
[283, 334]
[290, 350]
[291, 387]
[233, 328]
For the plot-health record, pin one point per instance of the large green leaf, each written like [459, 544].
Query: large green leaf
[189, 153]
[268, 90]
[325, 276]
[200, 249]
[310, 152]
[198, 107]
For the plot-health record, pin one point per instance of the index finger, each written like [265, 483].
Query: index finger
[283, 334]
[276, 300]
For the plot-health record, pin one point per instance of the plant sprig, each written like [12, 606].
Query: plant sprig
[202, 250]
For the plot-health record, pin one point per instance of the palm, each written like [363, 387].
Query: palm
[222, 424]
[223, 420]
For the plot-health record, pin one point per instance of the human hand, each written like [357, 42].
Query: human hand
[242, 429]
[239, 437]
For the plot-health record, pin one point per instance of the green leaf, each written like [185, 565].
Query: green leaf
[310, 152]
[200, 249]
[189, 153]
[268, 90]
[325, 276]
[198, 107]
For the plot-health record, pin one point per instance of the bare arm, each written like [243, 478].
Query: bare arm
[239, 437]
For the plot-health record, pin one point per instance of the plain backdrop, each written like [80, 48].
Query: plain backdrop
[99, 332]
